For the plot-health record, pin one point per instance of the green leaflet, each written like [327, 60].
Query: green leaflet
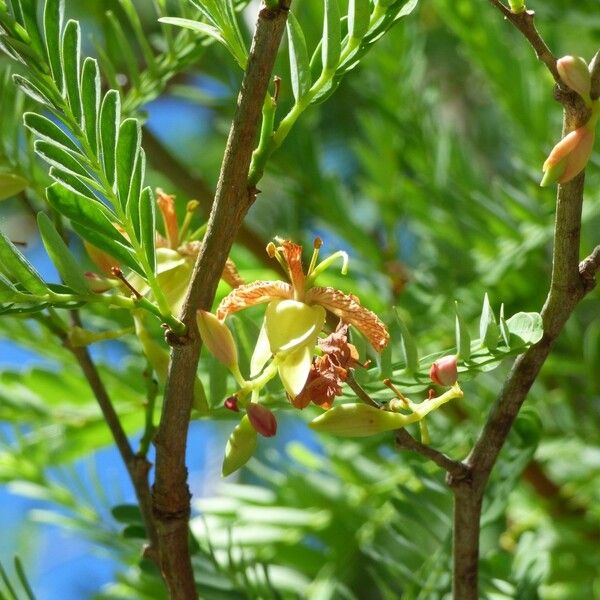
[299, 61]
[463, 339]
[47, 130]
[57, 156]
[32, 90]
[331, 46]
[9, 293]
[65, 262]
[72, 182]
[15, 265]
[128, 144]
[147, 220]
[81, 210]
[409, 347]
[53, 19]
[110, 116]
[71, 59]
[488, 329]
[90, 101]
[359, 13]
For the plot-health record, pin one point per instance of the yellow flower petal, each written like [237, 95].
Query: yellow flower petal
[294, 370]
[290, 324]
[261, 354]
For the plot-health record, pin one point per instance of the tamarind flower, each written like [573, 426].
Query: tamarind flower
[296, 313]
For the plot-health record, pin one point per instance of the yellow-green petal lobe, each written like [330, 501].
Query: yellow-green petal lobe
[359, 420]
[261, 354]
[291, 324]
[294, 370]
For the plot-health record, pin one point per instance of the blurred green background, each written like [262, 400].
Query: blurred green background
[424, 166]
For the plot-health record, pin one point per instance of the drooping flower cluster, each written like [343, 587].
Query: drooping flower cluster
[295, 316]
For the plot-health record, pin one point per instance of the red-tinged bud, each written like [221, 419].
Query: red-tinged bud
[262, 419]
[231, 403]
[573, 70]
[217, 338]
[444, 371]
[569, 157]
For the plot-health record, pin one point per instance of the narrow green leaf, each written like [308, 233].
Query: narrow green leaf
[65, 262]
[147, 218]
[14, 264]
[110, 117]
[135, 189]
[53, 20]
[72, 183]
[488, 329]
[504, 327]
[47, 130]
[90, 100]
[11, 184]
[128, 144]
[408, 345]
[29, 15]
[71, 60]
[79, 209]
[121, 252]
[57, 156]
[463, 339]
[332, 36]
[359, 13]
[32, 90]
[23, 579]
[197, 26]
[299, 61]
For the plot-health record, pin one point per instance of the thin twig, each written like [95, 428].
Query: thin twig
[569, 283]
[171, 496]
[524, 22]
[406, 441]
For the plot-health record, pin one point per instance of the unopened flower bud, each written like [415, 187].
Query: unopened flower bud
[569, 157]
[240, 447]
[573, 70]
[217, 338]
[359, 420]
[231, 403]
[443, 371]
[262, 419]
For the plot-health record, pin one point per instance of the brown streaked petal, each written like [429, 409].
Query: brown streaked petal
[257, 292]
[348, 308]
[231, 275]
[293, 256]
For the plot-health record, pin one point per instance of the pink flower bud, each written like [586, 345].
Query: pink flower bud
[262, 419]
[232, 404]
[217, 338]
[569, 157]
[573, 70]
[443, 371]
